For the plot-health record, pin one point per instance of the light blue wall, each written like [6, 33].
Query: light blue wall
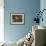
[43, 6]
[28, 7]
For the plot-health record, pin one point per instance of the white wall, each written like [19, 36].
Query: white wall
[1, 20]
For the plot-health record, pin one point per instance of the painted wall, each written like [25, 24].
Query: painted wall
[28, 7]
[43, 6]
[1, 21]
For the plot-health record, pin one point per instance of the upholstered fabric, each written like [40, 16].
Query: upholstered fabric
[9, 43]
[39, 33]
[26, 41]
[20, 42]
[39, 37]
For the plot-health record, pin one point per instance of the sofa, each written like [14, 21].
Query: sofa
[39, 34]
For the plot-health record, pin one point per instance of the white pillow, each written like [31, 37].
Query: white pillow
[11, 43]
[20, 42]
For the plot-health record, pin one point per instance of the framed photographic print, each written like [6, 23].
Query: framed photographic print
[17, 18]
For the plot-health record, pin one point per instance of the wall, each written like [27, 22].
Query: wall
[28, 7]
[1, 21]
[42, 6]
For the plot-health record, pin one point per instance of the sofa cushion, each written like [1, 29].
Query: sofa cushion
[20, 42]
